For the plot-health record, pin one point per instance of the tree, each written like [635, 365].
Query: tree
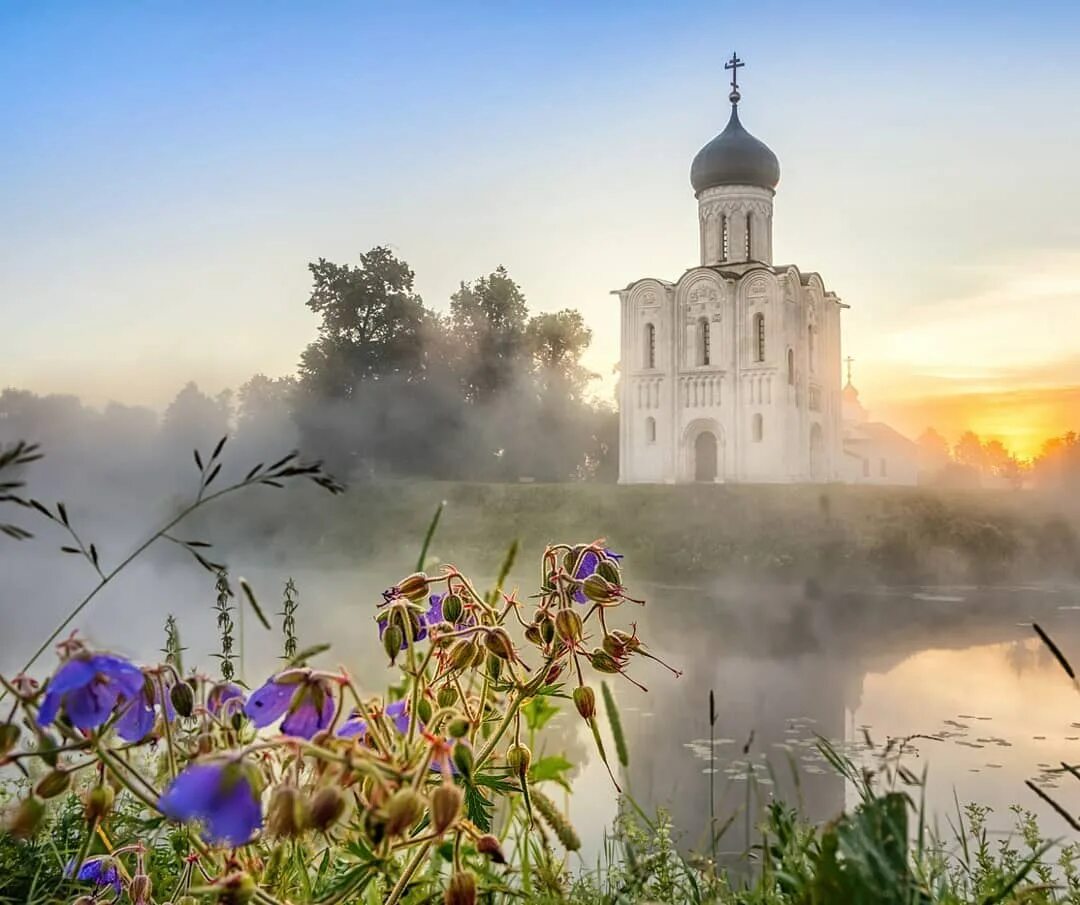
[372, 324]
[969, 451]
[557, 341]
[487, 324]
[933, 452]
[194, 419]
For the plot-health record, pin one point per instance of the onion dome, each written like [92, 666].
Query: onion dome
[734, 157]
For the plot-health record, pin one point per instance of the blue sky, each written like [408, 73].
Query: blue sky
[168, 170]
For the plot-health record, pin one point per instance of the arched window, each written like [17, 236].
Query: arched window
[704, 342]
[759, 337]
[791, 367]
[724, 249]
[759, 428]
[749, 235]
[650, 430]
[650, 346]
[810, 346]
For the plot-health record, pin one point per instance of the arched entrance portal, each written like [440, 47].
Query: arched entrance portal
[817, 453]
[705, 457]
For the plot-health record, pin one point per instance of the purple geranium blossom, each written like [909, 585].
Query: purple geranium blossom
[356, 725]
[88, 687]
[304, 699]
[221, 796]
[220, 696]
[99, 871]
[590, 562]
[137, 717]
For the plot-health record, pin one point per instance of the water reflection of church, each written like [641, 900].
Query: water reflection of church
[732, 372]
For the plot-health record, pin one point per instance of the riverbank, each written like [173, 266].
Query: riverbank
[833, 535]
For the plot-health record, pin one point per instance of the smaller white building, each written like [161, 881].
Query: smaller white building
[874, 453]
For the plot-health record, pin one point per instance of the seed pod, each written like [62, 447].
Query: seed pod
[27, 818]
[489, 845]
[54, 783]
[392, 639]
[9, 736]
[458, 727]
[327, 806]
[547, 630]
[405, 807]
[462, 756]
[424, 710]
[494, 667]
[479, 655]
[141, 887]
[287, 816]
[585, 701]
[609, 570]
[602, 661]
[554, 818]
[461, 890]
[568, 625]
[414, 587]
[445, 806]
[518, 758]
[532, 633]
[600, 590]
[447, 696]
[613, 645]
[571, 559]
[99, 802]
[183, 698]
[236, 889]
[452, 608]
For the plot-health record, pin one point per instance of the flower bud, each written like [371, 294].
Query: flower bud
[54, 783]
[414, 587]
[585, 701]
[489, 845]
[99, 802]
[532, 633]
[236, 889]
[553, 674]
[26, 819]
[518, 758]
[570, 560]
[462, 654]
[602, 661]
[609, 570]
[405, 807]
[183, 698]
[9, 736]
[547, 630]
[613, 645]
[458, 727]
[392, 639]
[461, 889]
[447, 696]
[600, 590]
[141, 887]
[493, 665]
[287, 816]
[424, 710]
[568, 625]
[327, 806]
[452, 608]
[462, 756]
[445, 806]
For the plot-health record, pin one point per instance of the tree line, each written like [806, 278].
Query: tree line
[389, 387]
[977, 462]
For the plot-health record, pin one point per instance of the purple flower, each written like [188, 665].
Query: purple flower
[99, 871]
[356, 725]
[305, 700]
[138, 716]
[88, 687]
[590, 562]
[220, 696]
[220, 795]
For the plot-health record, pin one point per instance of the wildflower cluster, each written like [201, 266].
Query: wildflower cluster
[380, 785]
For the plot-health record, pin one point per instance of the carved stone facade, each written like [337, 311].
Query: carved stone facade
[731, 373]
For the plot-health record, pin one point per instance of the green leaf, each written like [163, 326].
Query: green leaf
[427, 537]
[308, 653]
[538, 712]
[550, 768]
[250, 595]
[478, 808]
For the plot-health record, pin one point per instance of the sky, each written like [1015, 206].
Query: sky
[168, 170]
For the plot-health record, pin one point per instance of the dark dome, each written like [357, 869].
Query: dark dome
[734, 157]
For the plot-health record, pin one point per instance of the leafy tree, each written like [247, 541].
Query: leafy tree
[933, 452]
[195, 419]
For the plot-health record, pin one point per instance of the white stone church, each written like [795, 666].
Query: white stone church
[732, 372]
